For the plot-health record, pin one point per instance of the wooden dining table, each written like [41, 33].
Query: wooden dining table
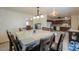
[30, 37]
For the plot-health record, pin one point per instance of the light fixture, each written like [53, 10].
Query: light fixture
[38, 17]
[54, 12]
[34, 17]
[38, 14]
[42, 16]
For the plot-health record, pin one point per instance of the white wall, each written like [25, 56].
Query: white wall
[10, 20]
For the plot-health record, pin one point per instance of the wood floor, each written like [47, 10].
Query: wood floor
[4, 46]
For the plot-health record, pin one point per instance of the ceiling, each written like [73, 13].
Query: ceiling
[62, 11]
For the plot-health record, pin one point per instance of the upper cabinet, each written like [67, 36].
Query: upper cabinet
[64, 22]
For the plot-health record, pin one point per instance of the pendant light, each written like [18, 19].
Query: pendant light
[54, 12]
[38, 14]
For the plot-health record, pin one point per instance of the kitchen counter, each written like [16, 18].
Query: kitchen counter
[71, 30]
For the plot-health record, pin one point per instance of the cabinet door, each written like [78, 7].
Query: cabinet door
[74, 22]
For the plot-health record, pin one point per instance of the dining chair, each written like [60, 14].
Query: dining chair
[19, 45]
[28, 27]
[38, 26]
[42, 45]
[46, 43]
[55, 46]
[16, 43]
[10, 40]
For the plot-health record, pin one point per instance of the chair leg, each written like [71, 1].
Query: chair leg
[10, 46]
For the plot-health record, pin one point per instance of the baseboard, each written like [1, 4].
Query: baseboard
[4, 42]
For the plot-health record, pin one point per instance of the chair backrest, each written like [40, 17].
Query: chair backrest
[14, 41]
[9, 34]
[46, 43]
[52, 39]
[60, 40]
[38, 26]
[10, 40]
[42, 45]
[16, 44]
[19, 43]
